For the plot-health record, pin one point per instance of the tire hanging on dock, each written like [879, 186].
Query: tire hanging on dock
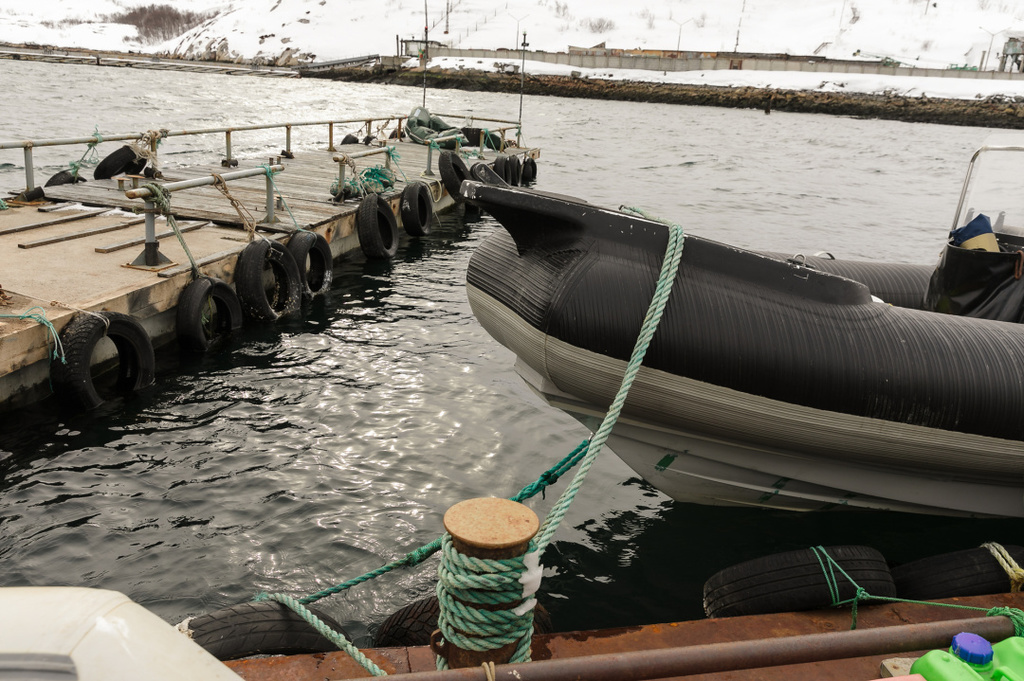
[971, 572]
[377, 228]
[417, 208]
[267, 280]
[312, 255]
[263, 628]
[795, 580]
[350, 139]
[122, 161]
[413, 624]
[72, 379]
[208, 311]
[529, 171]
[515, 170]
[501, 167]
[453, 171]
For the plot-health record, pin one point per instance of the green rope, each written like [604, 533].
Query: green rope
[90, 156]
[465, 582]
[666, 278]
[325, 631]
[3, 205]
[829, 567]
[270, 175]
[522, 630]
[392, 153]
[38, 314]
[161, 198]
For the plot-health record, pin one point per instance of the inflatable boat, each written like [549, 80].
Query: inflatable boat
[795, 383]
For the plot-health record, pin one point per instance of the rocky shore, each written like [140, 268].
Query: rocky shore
[993, 112]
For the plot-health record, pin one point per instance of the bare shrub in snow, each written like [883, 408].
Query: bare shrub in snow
[648, 16]
[854, 14]
[599, 25]
[561, 10]
[159, 22]
[700, 21]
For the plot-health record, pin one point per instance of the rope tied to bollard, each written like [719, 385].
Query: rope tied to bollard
[530, 575]
[161, 198]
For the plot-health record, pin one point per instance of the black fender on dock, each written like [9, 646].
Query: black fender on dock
[72, 378]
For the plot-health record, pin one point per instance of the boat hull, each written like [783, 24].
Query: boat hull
[891, 444]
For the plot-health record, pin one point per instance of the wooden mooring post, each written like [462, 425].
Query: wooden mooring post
[492, 529]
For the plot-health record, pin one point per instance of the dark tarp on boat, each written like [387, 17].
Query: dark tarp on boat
[979, 283]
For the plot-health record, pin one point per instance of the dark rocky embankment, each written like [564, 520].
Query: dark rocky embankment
[993, 112]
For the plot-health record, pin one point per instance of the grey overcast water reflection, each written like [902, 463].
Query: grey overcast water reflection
[313, 450]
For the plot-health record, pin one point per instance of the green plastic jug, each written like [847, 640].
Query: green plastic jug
[972, 658]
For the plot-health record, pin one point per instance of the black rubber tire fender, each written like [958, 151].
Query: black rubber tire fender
[63, 177]
[515, 170]
[350, 139]
[417, 209]
[267, 280]
[971, 572]
[263, 628]
[72, 378]
[793, 581]
[500, 166]
[208, 311]
[377, 228]
[529, 171]
[123, 160]
[312, 255]
[453, 171]
[413, 624]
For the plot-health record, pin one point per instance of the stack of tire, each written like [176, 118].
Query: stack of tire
[805, 580]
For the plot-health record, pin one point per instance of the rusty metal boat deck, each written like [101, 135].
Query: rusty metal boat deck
[814, 645]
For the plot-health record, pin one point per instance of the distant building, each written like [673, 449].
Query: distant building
[1013, 53]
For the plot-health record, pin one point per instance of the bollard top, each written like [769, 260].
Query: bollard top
[491, 524]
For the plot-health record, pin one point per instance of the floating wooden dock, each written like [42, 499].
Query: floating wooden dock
[74, 250]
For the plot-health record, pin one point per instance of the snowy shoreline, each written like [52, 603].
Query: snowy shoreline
[997, 111]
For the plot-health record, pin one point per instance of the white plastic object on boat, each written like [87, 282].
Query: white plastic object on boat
[103, 634]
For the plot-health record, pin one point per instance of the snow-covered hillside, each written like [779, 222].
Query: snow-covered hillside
[923, 32]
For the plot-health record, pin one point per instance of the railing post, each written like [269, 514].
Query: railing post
[151, 255]
[288, 138]
[330, 137]
[227, 144]
[430, 160]
[270, 218]
[30, 173]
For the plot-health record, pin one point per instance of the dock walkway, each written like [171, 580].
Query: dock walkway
[76, 254]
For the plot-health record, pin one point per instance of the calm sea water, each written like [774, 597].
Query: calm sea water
[311, 451]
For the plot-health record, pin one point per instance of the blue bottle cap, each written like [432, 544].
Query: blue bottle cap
[971, 648]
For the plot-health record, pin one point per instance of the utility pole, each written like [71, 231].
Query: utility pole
[522, 81]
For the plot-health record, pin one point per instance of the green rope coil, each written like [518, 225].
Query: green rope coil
[3, 205]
